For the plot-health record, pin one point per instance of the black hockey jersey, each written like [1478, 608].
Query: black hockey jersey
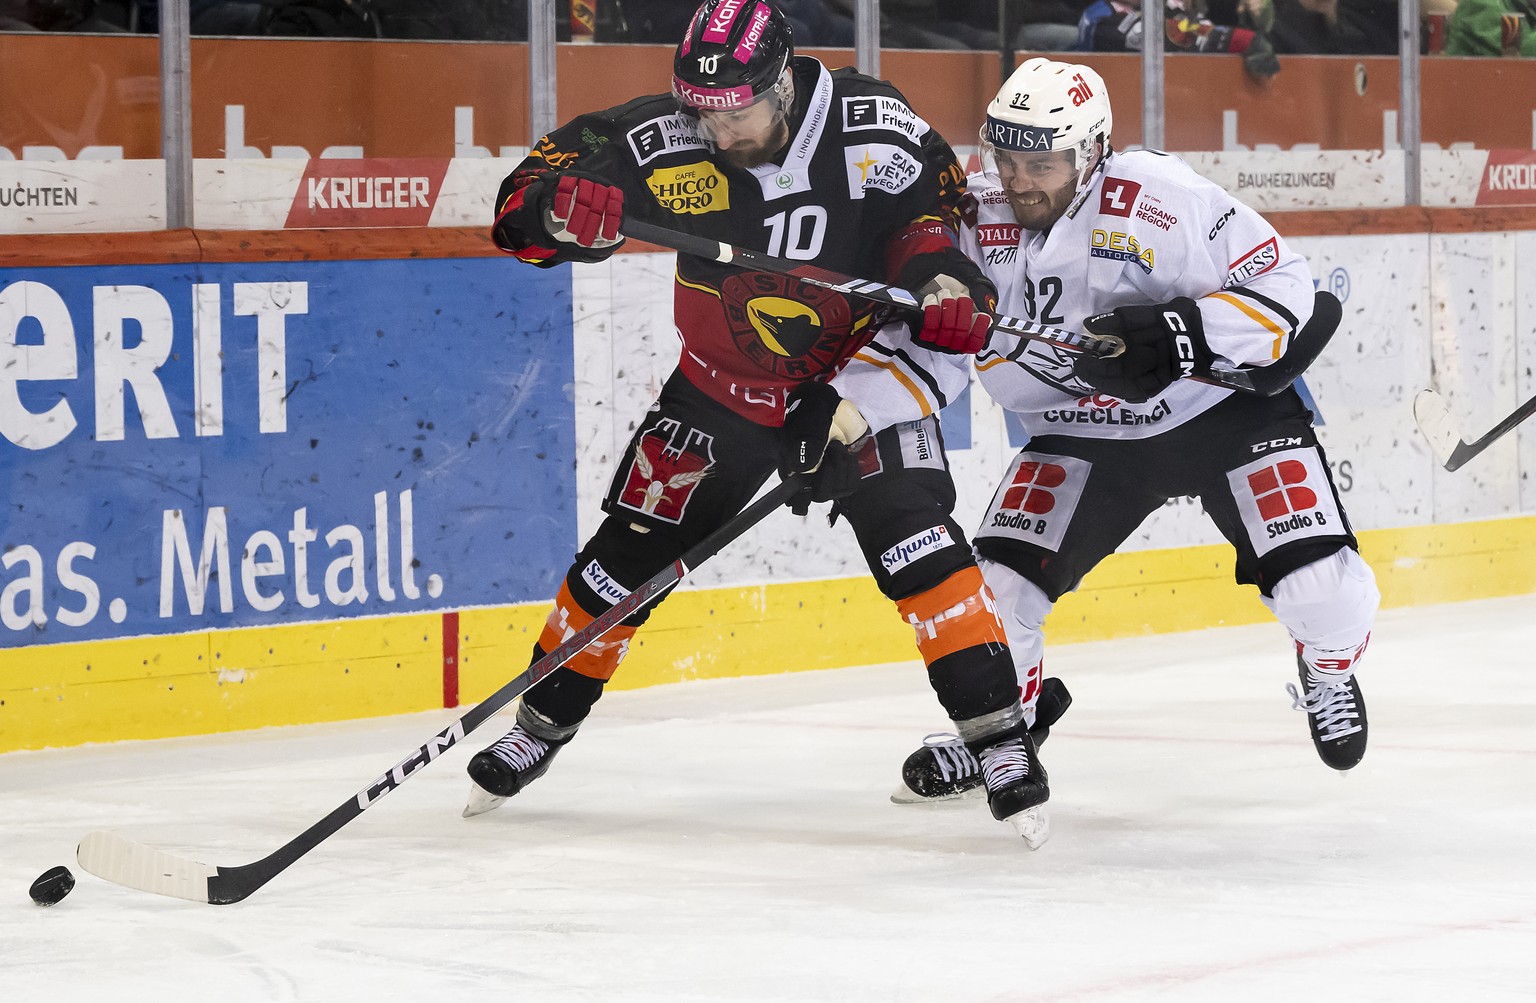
[865, 187]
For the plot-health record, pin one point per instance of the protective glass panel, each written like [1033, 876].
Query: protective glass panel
[78, 147]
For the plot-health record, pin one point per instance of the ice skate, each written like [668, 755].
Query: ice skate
[945, 770]
[1017, 785]
[514, 761]
[1336, 714]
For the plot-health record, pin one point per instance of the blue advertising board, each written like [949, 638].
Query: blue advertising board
[185, 447]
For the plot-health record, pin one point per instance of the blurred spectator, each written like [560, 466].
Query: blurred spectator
[55, 15]
[657, 21]
[1046, 25]
[10, 19]
[935, 24]
[476, 20]
[1492, 28]
[662, 22]
[817, 23]
[1116, 25]
[224, 17]
[318, 19]
[1335, 27]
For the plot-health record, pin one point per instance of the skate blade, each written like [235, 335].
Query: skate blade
[906, 795]
[1033, 825]
[480, 801]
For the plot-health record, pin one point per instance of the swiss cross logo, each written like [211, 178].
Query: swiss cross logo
[669, 463]
[1118, 197]
[1030, 490]
[1281, 489]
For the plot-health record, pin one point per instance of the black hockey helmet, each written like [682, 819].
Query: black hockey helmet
[734, 54]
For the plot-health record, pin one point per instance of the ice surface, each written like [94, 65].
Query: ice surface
[732, 840]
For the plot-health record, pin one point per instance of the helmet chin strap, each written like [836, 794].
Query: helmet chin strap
[1085, 179]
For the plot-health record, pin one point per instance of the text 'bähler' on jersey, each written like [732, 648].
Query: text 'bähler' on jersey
[1120, 246]
[880, 166]
[693, 188]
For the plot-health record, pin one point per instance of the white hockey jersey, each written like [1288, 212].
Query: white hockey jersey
[1148, 230]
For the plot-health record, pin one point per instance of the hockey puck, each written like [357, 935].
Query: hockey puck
[52, 885]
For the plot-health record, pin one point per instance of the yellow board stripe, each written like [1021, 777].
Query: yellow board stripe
[1257, 317]
[155, 687]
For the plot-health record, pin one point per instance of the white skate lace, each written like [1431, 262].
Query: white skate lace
[1004, 763]
[519, 749]
[955, 761]
[1331, 703]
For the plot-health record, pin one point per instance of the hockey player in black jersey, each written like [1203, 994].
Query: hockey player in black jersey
[763, 149]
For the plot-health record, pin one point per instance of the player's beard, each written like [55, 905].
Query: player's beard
[1038, 210]
[756, 154]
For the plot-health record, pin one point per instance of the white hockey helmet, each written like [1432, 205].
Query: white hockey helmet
[1047, 105]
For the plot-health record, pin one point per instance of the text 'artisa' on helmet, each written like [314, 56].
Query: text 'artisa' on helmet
[735, 52]
[1047, 105]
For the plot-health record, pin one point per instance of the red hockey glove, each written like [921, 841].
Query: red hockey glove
[951, 320]
[585, 210]
[1163, 342]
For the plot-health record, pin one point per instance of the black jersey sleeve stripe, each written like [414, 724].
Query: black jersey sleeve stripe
[909, 365]
[1278, 309]
[923, 374]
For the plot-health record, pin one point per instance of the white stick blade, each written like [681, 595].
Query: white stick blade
[134, 865]
[1435, 421]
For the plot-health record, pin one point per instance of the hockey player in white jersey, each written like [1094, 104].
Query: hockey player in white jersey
[1138, 245]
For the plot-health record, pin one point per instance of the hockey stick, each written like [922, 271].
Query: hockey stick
[1444, 433]
[135, 865]
[1265, 381]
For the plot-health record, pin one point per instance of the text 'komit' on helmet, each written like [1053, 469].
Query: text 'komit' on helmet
[732, 74]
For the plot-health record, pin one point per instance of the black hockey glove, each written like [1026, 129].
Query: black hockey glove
[818, 425]
[1163, 343]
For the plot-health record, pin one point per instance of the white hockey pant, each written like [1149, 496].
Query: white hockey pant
[1022, 608]
[1329, 606]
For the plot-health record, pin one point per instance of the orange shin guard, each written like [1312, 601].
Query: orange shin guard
[601, 658]
[956, 614]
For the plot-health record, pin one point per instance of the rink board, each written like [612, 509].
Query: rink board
[1440, 309]
[67, 694]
